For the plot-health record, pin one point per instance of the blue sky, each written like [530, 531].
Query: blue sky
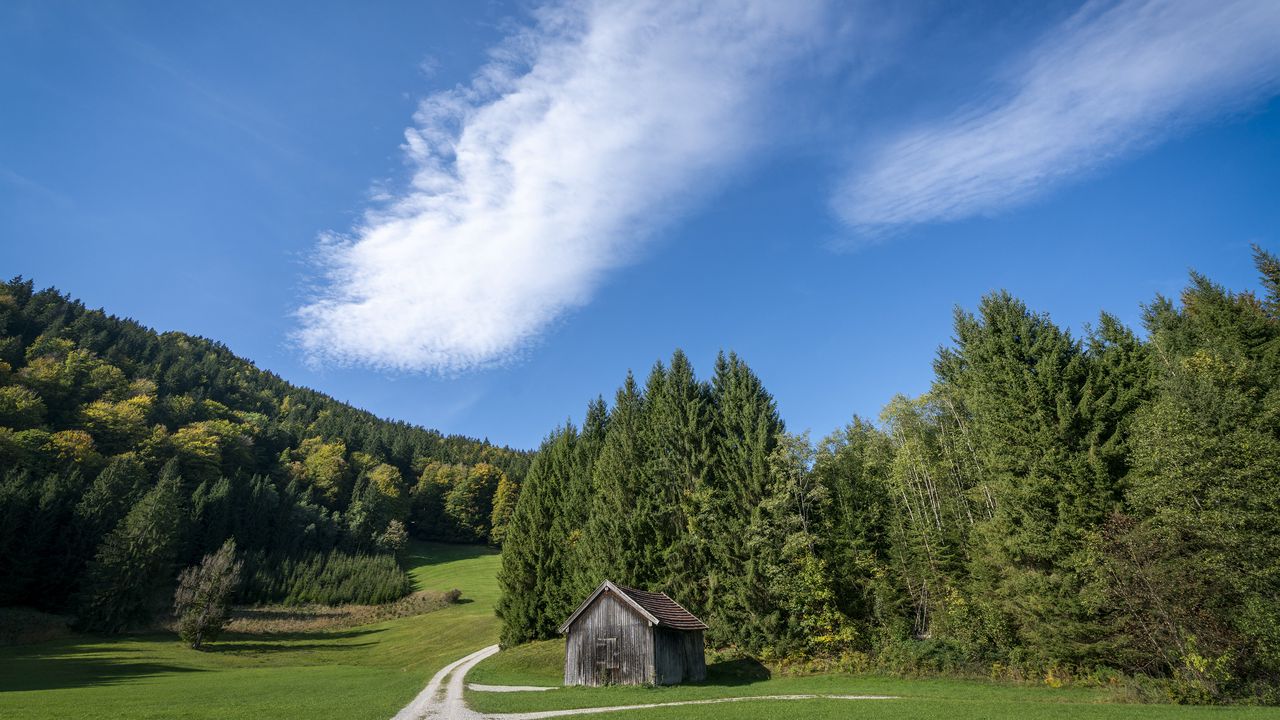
[477, 216]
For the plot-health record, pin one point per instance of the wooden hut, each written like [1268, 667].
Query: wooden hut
[620, 635]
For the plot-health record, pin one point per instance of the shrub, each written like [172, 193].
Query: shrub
[202, 602]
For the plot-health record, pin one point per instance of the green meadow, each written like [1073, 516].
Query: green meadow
[364, 672]
[374, 670]
[541, 663]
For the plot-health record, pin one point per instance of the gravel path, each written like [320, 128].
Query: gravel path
[507, 688]
[619, 708]
[429, 705]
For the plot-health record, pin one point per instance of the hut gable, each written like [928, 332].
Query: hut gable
[624, 635]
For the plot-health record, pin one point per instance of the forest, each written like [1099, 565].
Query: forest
[1058, 507]
[127, 455]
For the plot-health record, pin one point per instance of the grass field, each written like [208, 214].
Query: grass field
[542, 664]
[364, 672]
[371, 671]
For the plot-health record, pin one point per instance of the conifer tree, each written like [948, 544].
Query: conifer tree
[747, 427]
[1269, 269]
[576, 505]
[1021, 378]
[614, 528]
[1119, 383]
[533, 572]
[678, 493]
[135, 563]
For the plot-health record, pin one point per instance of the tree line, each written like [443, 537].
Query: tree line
[127, 455]
[1054, 506]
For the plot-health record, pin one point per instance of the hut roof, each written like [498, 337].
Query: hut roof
[656, 607]
[669, 612]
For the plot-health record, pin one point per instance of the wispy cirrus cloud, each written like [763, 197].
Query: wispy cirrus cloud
[1115, 78]
[583, 134]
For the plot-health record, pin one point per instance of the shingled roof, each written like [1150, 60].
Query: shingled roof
[656, 607]
[669, 612]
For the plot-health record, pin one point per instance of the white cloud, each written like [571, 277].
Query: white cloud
[583, 135]
[1116, 77]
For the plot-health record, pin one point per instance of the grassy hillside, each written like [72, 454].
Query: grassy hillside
[364, 672]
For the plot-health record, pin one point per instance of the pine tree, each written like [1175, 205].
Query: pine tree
[614, 531]
[747, 427]
[1021, 378]
[533, 573]
[677, 497]
[135, 562]
[576, 505]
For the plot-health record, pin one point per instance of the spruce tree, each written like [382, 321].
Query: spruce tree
[1021, 378]
[135, 563]
[1203, 492]
[747, 427]
[533, 572]
[19, 557]
[1269, 271]
[576, 507]
[615, 534]
[679, 494]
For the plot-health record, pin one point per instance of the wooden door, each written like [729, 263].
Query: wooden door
[606, 660]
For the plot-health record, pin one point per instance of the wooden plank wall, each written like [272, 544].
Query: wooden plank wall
[679, 656]
[587, 661]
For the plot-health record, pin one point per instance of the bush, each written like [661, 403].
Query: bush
[924, 657]
[202, 602]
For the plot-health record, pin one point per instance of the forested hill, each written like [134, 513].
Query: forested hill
[1054, 506]
[108, 428]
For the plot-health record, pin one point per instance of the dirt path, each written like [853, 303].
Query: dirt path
[507, 688]
[430, 706]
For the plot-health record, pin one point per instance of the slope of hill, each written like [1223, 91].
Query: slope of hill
[126, 454]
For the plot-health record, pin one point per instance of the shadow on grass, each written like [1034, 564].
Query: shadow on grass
[89, 661]
[275, 647]
[742, 671]
[268, 614]
[49, 672]
[291, 641]
[424, 554]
